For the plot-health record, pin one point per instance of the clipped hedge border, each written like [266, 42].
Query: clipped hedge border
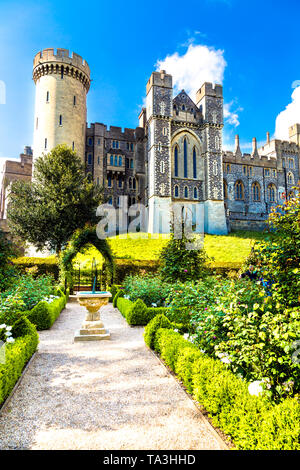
[44, 265]
[113, 290]
[253, 423]
[137, 313]
[44, 314]
[17, 355]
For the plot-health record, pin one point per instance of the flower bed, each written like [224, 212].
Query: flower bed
[16, 355]
[252, 422]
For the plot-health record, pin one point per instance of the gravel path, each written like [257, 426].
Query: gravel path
[101, 395]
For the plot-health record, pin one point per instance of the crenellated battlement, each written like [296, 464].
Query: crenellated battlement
[209, 89]
[47, 62]
[249, 159]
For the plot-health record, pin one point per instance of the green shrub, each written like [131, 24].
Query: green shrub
[41, 266]
[252, 422]
[124, 305]
[260, 343]
[159, 321]
[137, 314]
[126, 267]
[150, 288]
[113, 290]
[11, 307]
[17, 354]
[31, 290]
[22, 327]
[44, 314]
[280, 427]
[182, 263]
[120, 293]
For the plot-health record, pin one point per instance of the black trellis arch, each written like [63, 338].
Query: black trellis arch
[79, 239]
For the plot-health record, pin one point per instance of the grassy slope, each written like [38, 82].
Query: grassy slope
[232, 248]
[224, 249]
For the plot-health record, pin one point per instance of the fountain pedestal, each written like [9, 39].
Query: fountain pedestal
[92, 328]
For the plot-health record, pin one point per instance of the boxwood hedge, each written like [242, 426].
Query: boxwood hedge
[17, 355]
[252, 422]
[44, 314]
[137, 313]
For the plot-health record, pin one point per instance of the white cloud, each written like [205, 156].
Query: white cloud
[232, 117]
[288, 117]
[197, 65]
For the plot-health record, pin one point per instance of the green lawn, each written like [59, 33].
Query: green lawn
[232, 248]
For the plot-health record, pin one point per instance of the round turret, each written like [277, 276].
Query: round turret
[62, 83]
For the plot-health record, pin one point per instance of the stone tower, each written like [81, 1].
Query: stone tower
[158, 115]
[210, 101]
[62, 83]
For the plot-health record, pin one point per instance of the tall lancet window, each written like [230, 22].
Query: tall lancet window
[176, 161]
[194, 163]
[185, 166]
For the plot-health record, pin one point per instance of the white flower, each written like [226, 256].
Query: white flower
[176, 331]
[154, 305]
[8, 328]
[255, 388]
[2, 326]
[8, 333]
[10, 340]
[186, 336]
[224, 358]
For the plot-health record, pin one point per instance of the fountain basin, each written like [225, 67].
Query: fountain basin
[92, 328]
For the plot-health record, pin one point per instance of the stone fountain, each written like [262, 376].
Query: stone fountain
[92, 328]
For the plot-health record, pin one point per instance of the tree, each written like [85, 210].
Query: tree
[59, 200]
[7, 269]
[180, 263]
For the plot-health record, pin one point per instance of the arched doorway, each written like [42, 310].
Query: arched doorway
[79, 240]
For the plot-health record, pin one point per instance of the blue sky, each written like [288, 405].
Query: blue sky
[251, 46]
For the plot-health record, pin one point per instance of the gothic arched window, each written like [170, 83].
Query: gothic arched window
[290, 178]
[256, 192]
[239, 191]
[109, 181]
[225, 189]
[272, 193]
[291, 163]
[116, 160]
[176, 191]
[134, 183]
[176, 161]
[130, 182]
[186, 192]
[185, 164]
[120, 161]
[194, 163]
[195, 193]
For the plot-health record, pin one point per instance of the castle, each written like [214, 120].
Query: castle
[173, 158]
